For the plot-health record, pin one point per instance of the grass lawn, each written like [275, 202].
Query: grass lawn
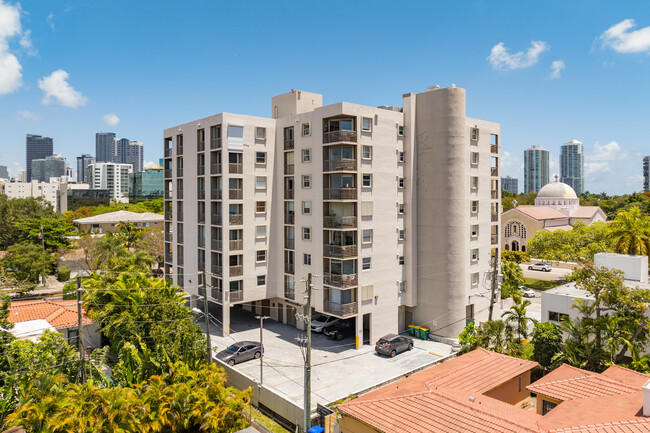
[268, 422]
[541, 284]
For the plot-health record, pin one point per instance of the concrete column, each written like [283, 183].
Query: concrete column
[193, 299]
[225, 318]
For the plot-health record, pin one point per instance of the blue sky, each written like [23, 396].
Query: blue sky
[70, 69]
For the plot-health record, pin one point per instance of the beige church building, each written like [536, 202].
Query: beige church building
[556, 208]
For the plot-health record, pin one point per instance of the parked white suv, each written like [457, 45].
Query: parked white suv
[321, 322]
[527, 292]
[540, 267]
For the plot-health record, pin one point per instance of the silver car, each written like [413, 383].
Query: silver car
[392, 344]
[527, 292]
[540, 267]
[240, 352]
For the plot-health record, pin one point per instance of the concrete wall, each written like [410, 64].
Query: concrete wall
[635, 268]
[512, 391]
[347, 424]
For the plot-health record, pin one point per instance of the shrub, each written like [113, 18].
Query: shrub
[62, 273]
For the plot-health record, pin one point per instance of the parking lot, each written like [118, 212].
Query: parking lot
[338, 369]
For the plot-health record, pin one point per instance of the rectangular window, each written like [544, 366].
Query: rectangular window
[401, 208]
[401, 182]
[260, 232]
[366, 124]
[474, 254]
[400, 130]
[474, 278]
[474, 134]
[261, 280]
[306, 181]
[474, 158]
[366, 180]
[306, 233]
[260, 207]
[260, 157]
[494, 139]
[401, 157]
[367, 236]
[367, 293]
[474, 182]
[260, 183]
[401, 235]
[474, 230]
[306, 155]
[474, 206]
[547, 406]
[306, 129]
[365, 263]
[260, 133]
[402, 286]
[400, 260]
[556, 317]
[366, 152]
[306, 259]
[306, 208]
[366, 208]
[260, 256]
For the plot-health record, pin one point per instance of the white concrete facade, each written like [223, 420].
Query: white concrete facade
[34, 188]
[393, 210]
[111, 176]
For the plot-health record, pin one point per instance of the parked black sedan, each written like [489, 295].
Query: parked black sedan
[392, 344]
[240, 352]
[340, 330]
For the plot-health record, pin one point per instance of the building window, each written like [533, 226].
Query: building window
[400, 130]
[474, 278]
[402, 286]
[306, 259]
[474, 230]
[260, 256]
[260, 232]
[260, 207]
[260, 133]
[400, 234]
[261, 280]
[547, 406]
[260, 157]
[366, 124]
[474, 206]
[366, 208]
[306, 208]
[365, 263]
[556, 317]
[366, 181]
[367, 293]
[401, 157]
[401, 182]
[306, 233]
[401, 208]
[474, 182]
[474, 254]
[366, 152]
[306, 129]
[366, 236]
[474, 158]
[260, 183]
[306, 155]
[474, 134]
[494, 139]
[306, 181]
[400, 260]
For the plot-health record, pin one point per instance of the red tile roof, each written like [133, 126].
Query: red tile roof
[541, 212]
[585, 212]
[59, 314]
[627, 376]
[634, 426]
[564, 227]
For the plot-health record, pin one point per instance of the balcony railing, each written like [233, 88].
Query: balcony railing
[179, 172]
[168, 258]
[340, 309]
[169, 237]
[200, 146]
[168, 195]
[216, 220]
[216, 269]
[289, 293]
[180, 260]
[236, 296]
[289, 218]
[215, 194]
[339, 193]
[200, 194]
[494, 239]
[341, 164]
[339, 250]
[179, 238]
[216, 244]
[288, 144]
[336, 136]
[236, 219]
[236, 245]
[495, 217]
[288, 168]
[289, 243]
[201, 245]
[235, 168]
[236, 271]
[494, 171]
[215, 143]
[168, 152]
[340, 222]
[338, 280]
[179, 150]
[201, 218]
[200, 170]
[215, 168]
[168, 173]
[494, 148]
[288, 194]
[216, 294]
[179, 194]
[290, 268]
[179, 217]
[494, 194]
[236, 194]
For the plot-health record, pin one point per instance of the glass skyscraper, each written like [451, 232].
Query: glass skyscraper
[572, 166]
[535, 168]
[38, 147]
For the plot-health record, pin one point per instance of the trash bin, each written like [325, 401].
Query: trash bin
[424, 333]
[413, 331]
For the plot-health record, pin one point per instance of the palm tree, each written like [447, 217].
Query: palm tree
[517, 314]
[630, 232]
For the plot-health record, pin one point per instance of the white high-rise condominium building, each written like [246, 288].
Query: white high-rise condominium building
[395, 210]
[572, 166]
[111, 176]
[535, 169]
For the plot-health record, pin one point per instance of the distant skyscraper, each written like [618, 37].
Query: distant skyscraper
[38, 147]
[646, 173]
[510, 184]
[4, 173]
[45, 168]
[535, 168]
[572, 166]
[82, 163]
[129, 152]
[105, 147]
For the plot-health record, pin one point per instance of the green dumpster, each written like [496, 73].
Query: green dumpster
[424, 333]
[413, 331]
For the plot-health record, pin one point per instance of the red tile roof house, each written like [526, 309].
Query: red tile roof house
[483, 391]
[32, 318]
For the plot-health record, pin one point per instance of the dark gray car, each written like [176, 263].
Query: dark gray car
[240, 352]
[392, 344]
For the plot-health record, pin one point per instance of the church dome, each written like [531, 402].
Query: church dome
[556, 190]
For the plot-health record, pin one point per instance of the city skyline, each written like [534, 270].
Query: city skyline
[587, 84]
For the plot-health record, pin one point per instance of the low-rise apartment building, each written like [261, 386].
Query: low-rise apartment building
[111, 176]
[393, 210]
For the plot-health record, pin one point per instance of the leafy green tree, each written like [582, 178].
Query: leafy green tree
[515, 256]
[26, 262]
[513, 277]
[130, 233]
[49, 231]
[6, 337]
[467, 338]
[499, 337]
[547, 340]
[517, 315]
[630, 232]
[577, 245]
[14, 210]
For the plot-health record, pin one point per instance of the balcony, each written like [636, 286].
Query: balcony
[340, 310]
[168, 195]
[290, 268]
[179, 194]
[179, 149]
[215, 168]
[201, 218]
[179, 217]
[216, 269]
[289, 243]
[494, 194]
[288, 144]
[341, 164]
[340, 222]
[236, 271]
[216, 244]
[236, 219]
[235, 168]
[216, 294]
[201, 245]
[336, 136]
[495, 217]
[168, 215]
[236, 245]
[339, 250]
[288, 168]
[236, 296]
[235, 194]
[168, 173]
[180, 238]
[289, 293]
[494, 239]
[200, 146]
[168, 258]
[180, 260]
[289, 218]
[215, 194]
[216, 220]
[338, 280]
[288, 194]
[494, 171]
[169, 237]
[339, 193]
[200, 170]
[215, 143]
[179, 172]
[494, 148]
[168, 152]
[201, 194]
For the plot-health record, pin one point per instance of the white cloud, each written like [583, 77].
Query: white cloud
[556, 69]
[111, 119]
[50, 20]
[28, 115]
[10, 67]
[619, 38]
[57, 90]
[606, 152]
[26, 43]
[500, 58]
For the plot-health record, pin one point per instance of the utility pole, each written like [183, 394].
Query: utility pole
[80, 345]
[307, 390]
[206, 313]
[494, 281]
[261, 347]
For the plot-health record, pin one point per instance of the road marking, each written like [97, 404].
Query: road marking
[434, 353]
